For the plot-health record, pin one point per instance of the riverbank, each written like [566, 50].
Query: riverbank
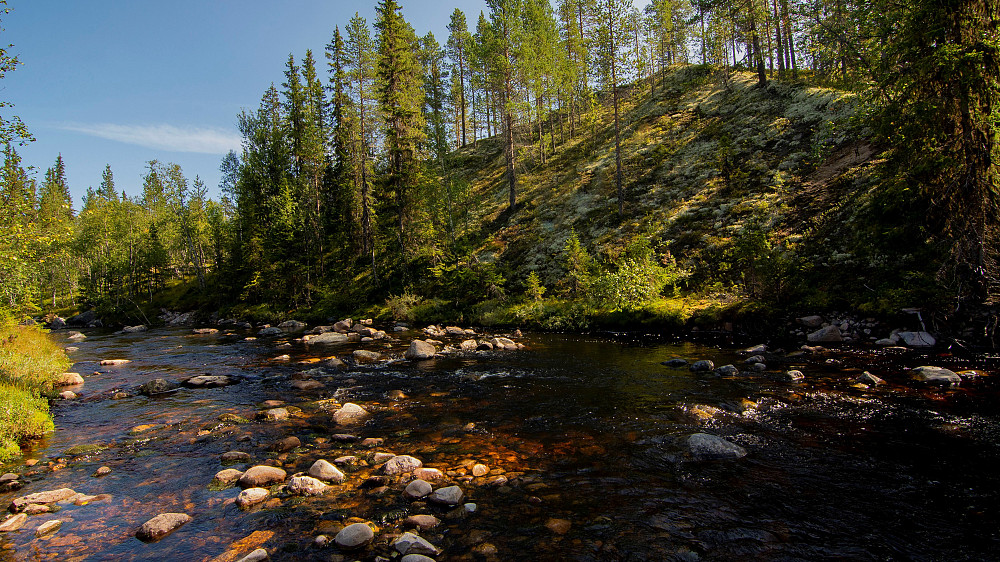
[30, 364]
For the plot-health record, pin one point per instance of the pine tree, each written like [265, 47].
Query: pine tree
[612, 59]
[458, 47]
[505, 22]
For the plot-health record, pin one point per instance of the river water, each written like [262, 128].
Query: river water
[588, 430]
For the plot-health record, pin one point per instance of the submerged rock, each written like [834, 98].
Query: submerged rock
[161, 526]
[48, 528]
[422, 522]
[156, 386]
[703, 446]
[68, 379]
[675, 362]
[327, 338]
[364, 356]
[417, 489]
[13, 523]
[208, 381]
[50, 496]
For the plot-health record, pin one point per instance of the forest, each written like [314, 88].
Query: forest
[393, 173]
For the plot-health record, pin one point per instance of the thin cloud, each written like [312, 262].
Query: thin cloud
[163, 137]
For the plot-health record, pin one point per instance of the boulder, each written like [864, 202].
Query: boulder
[343, 326]
[419, 350]
[292, 326]
[417, 489]
[323, 470]
[452, 495]
[428, 474]
[703, 446]
[675, 362]
[328, 338]
[917, 339]
[422, 522]
[226, 477]
[869, 379]
[270, 331]
[811, 321]
[791, 376]
[727, 371]
[57, 323]
[364, 356]
[134, 329]
[68, 379]
[83, 319]
[68, 395]
[469, 345]
[156, 386]
[401, 464]
[261, 476]
[349, 413]
[306, 486]
[251, 497]
[161, 526]
[829, 334]
[48, 528]
[354, 536]
[208, 381]
[936, 376]
[503, 343]
[76, 336]
[703, 365]
[410, 543]
[47, 497]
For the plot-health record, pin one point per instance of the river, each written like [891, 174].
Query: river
[583, 438]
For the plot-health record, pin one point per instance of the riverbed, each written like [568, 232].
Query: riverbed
[583, 439]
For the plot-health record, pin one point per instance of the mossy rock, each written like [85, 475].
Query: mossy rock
[233, 418]
[88, 449]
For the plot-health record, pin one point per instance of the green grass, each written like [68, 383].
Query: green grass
[29, 361]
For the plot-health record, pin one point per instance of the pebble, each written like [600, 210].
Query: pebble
[251, 497]
[353, 536]
[401, 464]
[323, 470]
[161, 526]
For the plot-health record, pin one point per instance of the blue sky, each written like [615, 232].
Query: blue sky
[122, 82]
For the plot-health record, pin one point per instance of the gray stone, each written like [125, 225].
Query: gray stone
[428, 474]
[270, 331]
[410, 543]
[917, 339]
[134, 329]
[703, 446]
[503, 343]
[57, 323]
[936, 376]
[327, 338]
[261, 476]
[258, 555]
[676, 362]
[307, 385]
[306, 486]
[349, 413]
[703, 365]
[452, 495]
[156, 386]
[811, 321]
[727, 370]
[227, 476]
[792, 376]
[869, 379]
[251, 497]
[417, 489]
[354, 536]
[419, 350]
[76, 336]
[82, 319]
[416, 558]
[829, 334]
[292, 326]
[208, 381]
[400, 464]
[161, 526]
[323, 470]
[364, 356]
[67, 395]
[234, 456]
[469, 345]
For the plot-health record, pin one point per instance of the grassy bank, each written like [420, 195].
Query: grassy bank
[29, 361]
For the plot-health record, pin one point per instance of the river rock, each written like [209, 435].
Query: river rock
[410, 543]
[703, 446]
[791, 376]
[936, 376]
[364, 356]
[419, 350]
[274, 414]
[82, 319]
[251, 497]
[328, 338]
[292, 326]
[48, 528]
[67, 395]
[261, 476]
[208, 381]
[343, 326]
[429, 474]
[114, 362]
[76, 336]
[469, 345]
[227, 476]
[703, 365]
[134, 329]
[205, 331]
[349, 413]
[869, 379]
[51, 496]
[286, 444]
[354, 536]
[484, 346]
[230, 457]
[503, 343]
[452, 495]
[307, 385]
[917, 339]
[422, 522]
[417, 489]
[13, 523]
[675, 362]
[829, 334]
[401, 464]
[727, 371]
[323, 470]
[480, 470]
[416, 558]
[558, 526]
[813, 321]
[258, 555]
[270, 331]
[306, 486]
[156, 386]
[161, 526]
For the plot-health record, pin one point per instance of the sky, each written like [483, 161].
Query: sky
[123, 82]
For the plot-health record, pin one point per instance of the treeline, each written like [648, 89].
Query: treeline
[348, 187]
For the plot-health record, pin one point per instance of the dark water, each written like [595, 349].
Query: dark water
[587, 429]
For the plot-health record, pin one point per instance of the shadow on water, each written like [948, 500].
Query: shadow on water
[583, 438]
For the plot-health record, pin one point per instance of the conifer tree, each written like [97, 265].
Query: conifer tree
[459, 42]
[505, 22]
[612, 59]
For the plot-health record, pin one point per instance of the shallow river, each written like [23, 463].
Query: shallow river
[589, 432]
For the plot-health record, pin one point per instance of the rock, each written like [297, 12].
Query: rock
[8, 477]
[51, 496]
[469, 345]
[270, 331]
[161, 526]
[114, 362]
[936, 376]
[134, 329]
[208, 381]
[307, 385]
[323, 470]
[558, 526]
[261, 476]
[416, 558]
[396, 395]
[419, 350]
[428, 474]
[484, 346]
[349, 413]
[354, 536]
[703, 365]
[452, 495]
[811, 321]
[286, 444]
[372, 442]
[417, 489]
[382, 457]
[829, 334]
[227, 476]
[48, 528]
[791, 376]
[727, 371]
[869, 379]
[754, 359]
[75, 336]
[480, 470]
[230, 457]
[364, 356]
[343, 325]
[82, 319]
[503, 343]
[205, 331]
[13, 523]
[37, 509]
[917, 339]
[675, 362]
[306, 486]
[57, 323]
[410, 543]
[334, 363]
[101, 472]
[346, 459]
[251, 497]
[156, 386]
[454, 331]
[422, 522]
[755, 350]
[292, 326]
[703, 446]
[885, 342]
[401, 464]
[328, 338]
[67, 395]
[274, 414]
[258, 555]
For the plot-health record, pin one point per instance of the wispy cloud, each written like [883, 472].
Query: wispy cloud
[163, 137]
